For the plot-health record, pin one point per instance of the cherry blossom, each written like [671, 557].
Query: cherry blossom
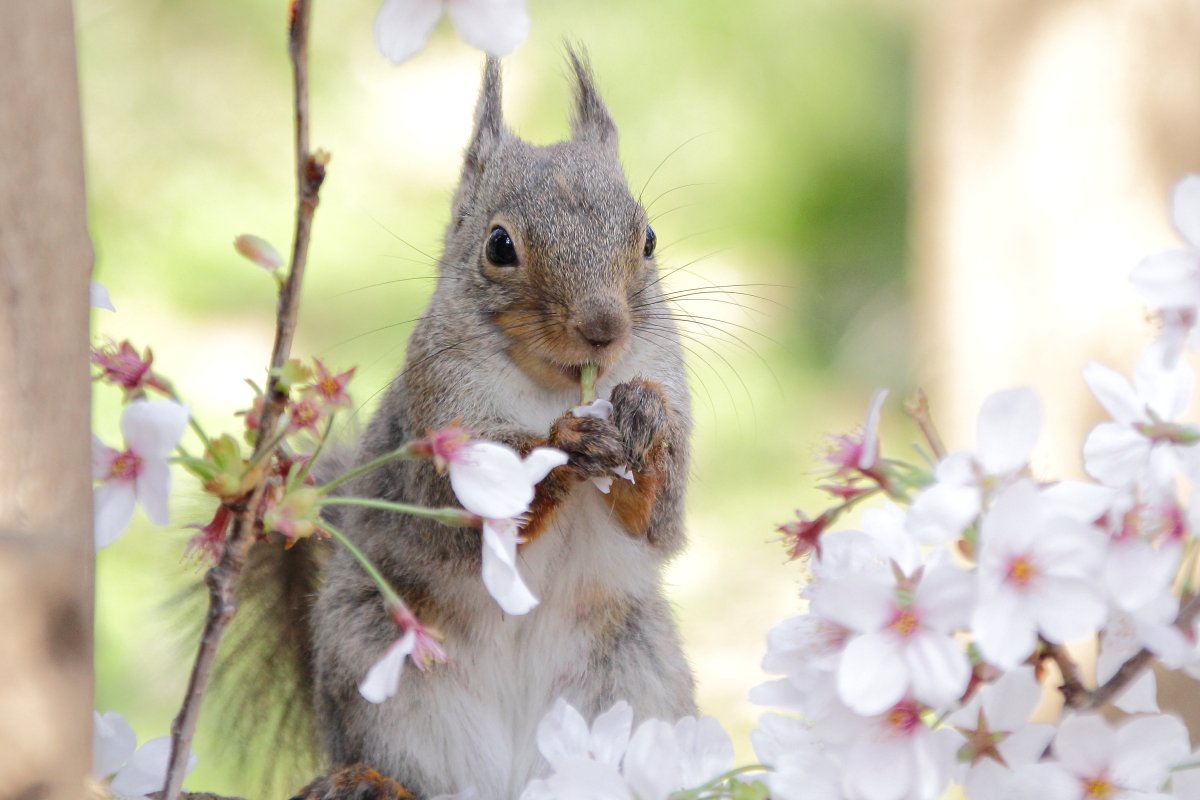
[135, 771]
[902, 641]
[1170, 281]
[495, 26]
[605, 762]
[896, 756]
[1036, 576]
[330, 389]
[138, 473]
[998, 734]
[1129, 762]
[851, 453]
[1005, 434]
[416, 642]
[493, 481]
[120, 365]
[1142, 444]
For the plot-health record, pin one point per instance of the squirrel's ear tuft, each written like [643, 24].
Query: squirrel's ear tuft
[489, 120]
[591, 121]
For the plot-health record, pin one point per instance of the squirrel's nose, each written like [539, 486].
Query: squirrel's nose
[602, 327]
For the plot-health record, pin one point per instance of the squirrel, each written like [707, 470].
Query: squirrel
[548, 265]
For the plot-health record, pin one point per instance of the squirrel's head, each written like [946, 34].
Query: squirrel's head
[549, 240]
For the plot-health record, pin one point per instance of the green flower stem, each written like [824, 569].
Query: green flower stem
[308, 465]
[193, 423]
[265, 452]
[587, 383]
[699, 791]
[404, 452]
[454, 517]
[385, 588]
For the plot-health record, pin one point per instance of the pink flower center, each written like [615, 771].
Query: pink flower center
[904, 622]
[903, 718]
[1021, 571]
[125, 466]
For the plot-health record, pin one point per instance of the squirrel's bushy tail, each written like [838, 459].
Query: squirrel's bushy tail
[261, 695]
[261, 702]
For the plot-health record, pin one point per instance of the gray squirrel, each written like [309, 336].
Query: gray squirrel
[548, 264]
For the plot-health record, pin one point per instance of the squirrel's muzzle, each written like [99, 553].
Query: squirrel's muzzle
[602, 326]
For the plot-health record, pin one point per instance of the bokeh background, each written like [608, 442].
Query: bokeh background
[892, 194]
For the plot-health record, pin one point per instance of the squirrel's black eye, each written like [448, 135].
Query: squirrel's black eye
[651, 241]
[500, 249]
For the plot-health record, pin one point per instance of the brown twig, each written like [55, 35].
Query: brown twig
[222, 579]
[1072, 687]
[1133, 666]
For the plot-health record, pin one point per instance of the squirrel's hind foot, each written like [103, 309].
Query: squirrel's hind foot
[357, 782]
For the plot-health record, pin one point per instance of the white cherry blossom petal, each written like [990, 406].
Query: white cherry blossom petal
[112, 507]
[489, 479]
[146, 771]
[1146, 750]
[1114, 391]
[102, 458]
[113, 742]
[1185, 208]
[610, 733]
[598, 409]
[153, 488]
[1007, 430]
[1085, 744]
[1140, 696]
[652, 764]
[403, 26]
[540, 461]
[496, 27]
[871, 677]
[1004, 630]
[938, 669]
[854, 602]
[152, 428]
[98, 296]
[500, 574]
[562, 733]
[943, 511]
[705, 750]
[870, 435]
[1068, 610]
[1165, 390]
[1169, 280]
[383, 678]
[1115, 454]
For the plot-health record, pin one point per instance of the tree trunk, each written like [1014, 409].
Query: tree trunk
[46, 555]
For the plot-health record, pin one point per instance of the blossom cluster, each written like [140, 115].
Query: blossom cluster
[930, 628]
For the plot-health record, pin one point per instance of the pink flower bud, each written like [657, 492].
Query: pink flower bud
[259, 251]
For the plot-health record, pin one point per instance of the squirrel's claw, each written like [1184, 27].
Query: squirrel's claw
[642, 414]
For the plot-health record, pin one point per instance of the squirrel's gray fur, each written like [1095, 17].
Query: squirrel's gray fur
[500, 352]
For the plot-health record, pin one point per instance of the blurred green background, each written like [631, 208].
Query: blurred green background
[772, 137]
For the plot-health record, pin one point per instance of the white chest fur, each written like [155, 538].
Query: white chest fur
[473, 722]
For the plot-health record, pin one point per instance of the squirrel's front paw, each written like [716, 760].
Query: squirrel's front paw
[593, 446]
[358, 782]
[642, 414]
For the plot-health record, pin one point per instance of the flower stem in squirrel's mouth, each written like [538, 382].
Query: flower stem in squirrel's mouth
[587, 383]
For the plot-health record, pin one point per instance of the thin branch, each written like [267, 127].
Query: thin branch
[1073, 690]
[222, 579]
[1133, 666]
